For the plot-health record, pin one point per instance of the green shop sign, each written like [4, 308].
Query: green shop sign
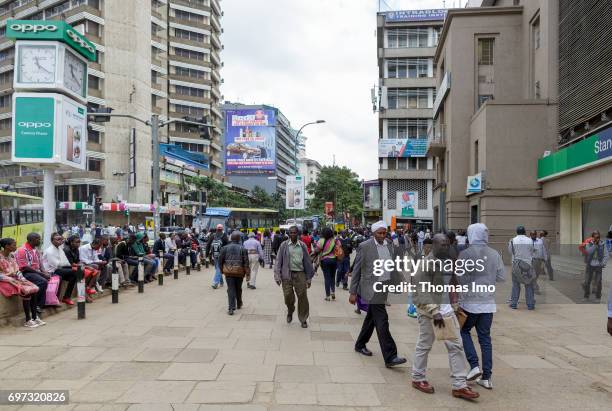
[34, 128]
[594, 149]
[51, 30]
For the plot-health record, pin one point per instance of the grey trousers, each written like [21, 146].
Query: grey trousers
[456, 355]
[254, 264]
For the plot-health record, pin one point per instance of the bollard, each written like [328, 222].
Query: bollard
[176, 264]
[199, 266]
[140, 276]
[160, 269]
[115, 283]
[206, 262]
[80, 293]
[188, 263]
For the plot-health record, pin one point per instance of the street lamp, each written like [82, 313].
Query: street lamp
[297, 142]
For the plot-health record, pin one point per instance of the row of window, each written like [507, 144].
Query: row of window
[194, 148]
[400, 98]
[411, 37]
[190, 91]
[193, 73]
[408, 68]
[407, 128]
[185, 15]
[410, 163]
[190, 35]
[190, 54]
[191, 111]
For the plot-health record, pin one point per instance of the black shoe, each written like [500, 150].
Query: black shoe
[304, 324]
[345, 287]
[395, 361]
[230, 312]
[289, 317]
[253, 287]
[364, 351]
[239, 306]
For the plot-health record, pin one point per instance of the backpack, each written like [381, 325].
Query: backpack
[522, 270]
[215, 246]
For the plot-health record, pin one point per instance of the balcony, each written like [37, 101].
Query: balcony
[406, 52]
[193, 43]
[215, 6]
[187, 3]
[407, 174]
[406, 113]
[195, 99]
[188, 79]
[196, 62]
[437, 141]
[410, 82]
[190, 23]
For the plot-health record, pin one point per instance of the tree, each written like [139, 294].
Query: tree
[339, 185]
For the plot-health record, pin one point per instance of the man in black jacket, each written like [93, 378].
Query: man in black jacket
[214, 245]
[234, 263]
[160, 245]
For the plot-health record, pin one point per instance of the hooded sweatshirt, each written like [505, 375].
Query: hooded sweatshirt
[138, 246]
[486, 268]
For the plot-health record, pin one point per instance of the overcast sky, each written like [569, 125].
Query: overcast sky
[312, 59]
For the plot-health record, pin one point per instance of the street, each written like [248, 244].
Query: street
[175, 348]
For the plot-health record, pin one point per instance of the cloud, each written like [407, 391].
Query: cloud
[313, 59]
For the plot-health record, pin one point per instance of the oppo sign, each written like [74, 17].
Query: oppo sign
[32, 28]
[29, 124]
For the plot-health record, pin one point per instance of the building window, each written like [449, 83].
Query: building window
[411, 37]
[192, 111]
[408, 68]
[61, 193]
[392, 164]
[5, 124]
[93, 136]
[485, 51]
[476, 165]
[191, 147]
[6, 101]
[422, 163]
[185, 15]
[93, 82]
[7, 54]
[190, 54]
[483, 98]
[94, 164]
[5, 147]
[399, 98]
[192, 73]
[189, 35]
[407, 128]
[6, 78]
[536, 33]
[190, 91]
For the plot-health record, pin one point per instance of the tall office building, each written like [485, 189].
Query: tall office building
[406, 45]
[154, 56]
[261, 148]
[495, 114]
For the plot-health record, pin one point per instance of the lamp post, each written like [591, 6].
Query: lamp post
[297, 142]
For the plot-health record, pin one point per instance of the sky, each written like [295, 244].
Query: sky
[312, 59]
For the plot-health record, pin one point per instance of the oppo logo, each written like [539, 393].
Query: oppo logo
[80, 41]
[31, 124]
[34, 28]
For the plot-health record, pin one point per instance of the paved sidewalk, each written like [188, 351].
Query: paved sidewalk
[175, 348]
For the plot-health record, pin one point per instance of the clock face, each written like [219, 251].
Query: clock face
[74, 74]
[37, 64]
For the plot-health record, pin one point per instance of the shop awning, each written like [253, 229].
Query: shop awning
[176, 155]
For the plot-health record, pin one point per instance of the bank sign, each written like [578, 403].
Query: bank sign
[587, 153]
[49, 129]
[51, 30]
[474, 184]
[415, 15]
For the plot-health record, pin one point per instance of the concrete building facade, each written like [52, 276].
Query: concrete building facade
[495, 114]
[577, 176]
[310, 170]
[287, 150]
[405, 49]
[154, 56]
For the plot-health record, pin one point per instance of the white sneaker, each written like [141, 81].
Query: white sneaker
[39, 322]
[488, 384]
[30, 324]
[99, 288]
[474, 373]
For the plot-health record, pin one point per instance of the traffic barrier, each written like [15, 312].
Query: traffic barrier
[115, 284]
[80, 293]
[176, 264]
[188, 263]
[140, 276]
[160, 269]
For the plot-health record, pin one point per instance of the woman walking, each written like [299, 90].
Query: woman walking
[267, 248]
[12, 282]
[326, 247]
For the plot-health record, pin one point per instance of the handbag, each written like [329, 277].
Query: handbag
[338, 251]
[449, 331]
[52, 289]
[461, 317]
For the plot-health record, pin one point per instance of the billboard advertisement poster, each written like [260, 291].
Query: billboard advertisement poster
[402, 147]
[371, 195]
[415, 15]
[329, 209]
[407, 202]
[49, 130]
[250, 143]
[294, 197]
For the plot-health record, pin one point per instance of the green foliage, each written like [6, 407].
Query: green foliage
[341, 186]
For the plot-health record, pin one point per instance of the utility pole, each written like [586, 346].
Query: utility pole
[295, 153]
[155, 166]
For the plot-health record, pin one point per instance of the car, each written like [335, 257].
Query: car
[244, 150]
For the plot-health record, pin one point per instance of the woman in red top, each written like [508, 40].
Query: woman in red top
[307, 239]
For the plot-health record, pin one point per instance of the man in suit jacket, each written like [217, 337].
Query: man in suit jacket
[362, 283]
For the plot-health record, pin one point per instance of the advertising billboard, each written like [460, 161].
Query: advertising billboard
[371, 195]
[49, 129]
[415, 15]
[250, 144]
[407, 202]
[402, 147]
[294, 197]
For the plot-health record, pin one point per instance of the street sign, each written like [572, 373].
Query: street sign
[49, 129]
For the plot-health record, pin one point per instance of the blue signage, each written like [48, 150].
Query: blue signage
[474, 183]
[415, 15]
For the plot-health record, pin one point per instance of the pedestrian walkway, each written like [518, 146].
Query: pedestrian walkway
[175, 348]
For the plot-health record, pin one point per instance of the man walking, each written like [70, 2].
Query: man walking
[434, 309]
[256, 256]
[216, 241]
[522, 250]
[538, 259]
[293, 270]
[234, 263]
[479, 306]
[596, 259]
[362, 284]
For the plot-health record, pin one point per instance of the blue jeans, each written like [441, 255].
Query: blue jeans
[218, 278]
[516, 293]
[328, 265]
[482, 322]
[343, 269]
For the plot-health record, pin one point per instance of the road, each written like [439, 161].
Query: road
[175, 347]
